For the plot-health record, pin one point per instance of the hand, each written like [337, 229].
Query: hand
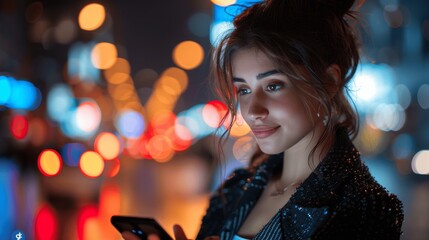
[179, 234]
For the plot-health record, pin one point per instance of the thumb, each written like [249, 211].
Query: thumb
[179, 234]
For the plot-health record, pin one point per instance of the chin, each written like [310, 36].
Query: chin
[270, 150]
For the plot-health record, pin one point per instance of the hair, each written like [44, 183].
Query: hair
[303, 38]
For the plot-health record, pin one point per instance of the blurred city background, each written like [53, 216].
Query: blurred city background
[106, 109]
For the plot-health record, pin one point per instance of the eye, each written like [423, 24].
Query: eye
[274, 87]
[243, 91]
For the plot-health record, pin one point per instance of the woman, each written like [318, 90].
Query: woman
[286, 65]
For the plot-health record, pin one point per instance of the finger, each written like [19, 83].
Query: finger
[179, 234]
[129, 236]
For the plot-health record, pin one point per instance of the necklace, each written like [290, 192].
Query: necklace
[279, 192]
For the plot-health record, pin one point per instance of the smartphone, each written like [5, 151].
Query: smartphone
[141, 227]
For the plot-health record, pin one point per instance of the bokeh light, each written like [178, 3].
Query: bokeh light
[122, 92]
[112, 168]
[192, 119]
[37, 131]
[373, 84]
[119, 72]
[60, 101]
[420, 162]
[169, 85]
[188, 55]
[79, 64]
[393, 15]
[239, 127]
[19, 94]
[107, 145]
[104, 55]
[243, 148]
[65, 31]
[423, 96]
[92, 16]
[179, 75]
[46, 223]
[5, 89]
[71, 153]
[49, 162]
[403, 147]
[370, 140]
[404, 95]
[160, 148]
[199, 24]
[130, 124]
[88, 116]
[389, 117]
[213, 112]
[91, 164]
[223, 3]
[19, 126]
[85, 215]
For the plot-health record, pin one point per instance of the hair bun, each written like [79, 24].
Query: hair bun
[339, 7]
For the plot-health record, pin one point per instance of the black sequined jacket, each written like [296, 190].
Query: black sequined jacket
[339, 200]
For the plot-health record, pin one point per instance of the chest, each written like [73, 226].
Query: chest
[263, 211]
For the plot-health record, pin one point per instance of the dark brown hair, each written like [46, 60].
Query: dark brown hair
[303, 38]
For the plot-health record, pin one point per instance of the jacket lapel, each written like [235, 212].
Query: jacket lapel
[251, 191]
[312, 204]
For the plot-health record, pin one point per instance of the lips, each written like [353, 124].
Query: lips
[263, 132]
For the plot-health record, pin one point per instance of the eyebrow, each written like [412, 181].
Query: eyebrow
[259, 76]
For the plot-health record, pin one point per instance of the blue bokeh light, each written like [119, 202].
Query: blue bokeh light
[8, 186]
[130, 124]
[71, 153]
[5, 89]
[60, 101]
[193, 120]
[20, 95]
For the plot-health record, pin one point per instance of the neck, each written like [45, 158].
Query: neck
[298, 163]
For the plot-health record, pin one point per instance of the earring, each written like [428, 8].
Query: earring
[325, 119]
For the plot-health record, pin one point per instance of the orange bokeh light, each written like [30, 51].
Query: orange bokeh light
[91, 164]
[179, 75]
[162, 121]
[107, 145]
[49, 162]
[223, 3]
[104, 55]
[240, 127]
[170, 85]
[188, 55]
[91, 17]
[119, 72]
[179, 142]
[160, 148]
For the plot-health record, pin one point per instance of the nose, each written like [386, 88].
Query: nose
[257, 109]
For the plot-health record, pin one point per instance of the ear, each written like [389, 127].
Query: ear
[334, 72]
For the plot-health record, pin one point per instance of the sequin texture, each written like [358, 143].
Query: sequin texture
[339, 200]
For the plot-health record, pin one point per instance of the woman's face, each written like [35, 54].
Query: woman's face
[270, 104]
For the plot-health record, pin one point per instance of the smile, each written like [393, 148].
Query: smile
[264, 132]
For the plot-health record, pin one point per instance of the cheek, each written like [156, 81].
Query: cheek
[288, 107]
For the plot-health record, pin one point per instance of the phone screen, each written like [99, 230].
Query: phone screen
[142, 227]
